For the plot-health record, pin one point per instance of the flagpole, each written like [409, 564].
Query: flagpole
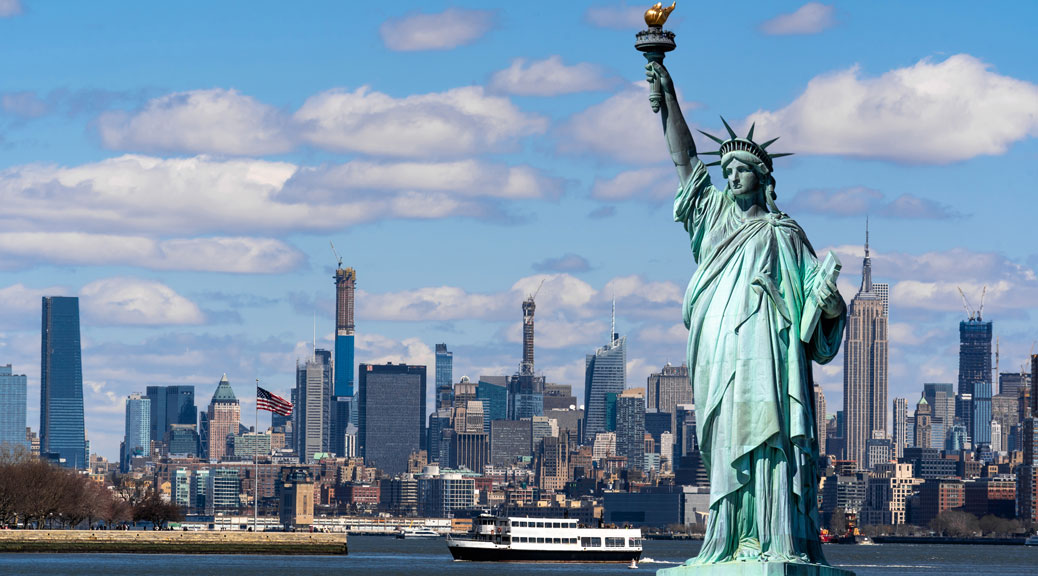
[255, 469]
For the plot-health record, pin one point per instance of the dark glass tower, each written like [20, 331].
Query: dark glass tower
[975, 376]
[391, 423]
[62, 431]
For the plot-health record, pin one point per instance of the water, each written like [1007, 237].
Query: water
[385, 556]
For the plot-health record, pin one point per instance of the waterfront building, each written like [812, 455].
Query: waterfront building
[12, 408]
[62, 429]
[392, 399]
[442, 495]
[296, 497]
[935, 496]
[224, 487]
[223, 420]
[313, 405]
[865, 364]
[605, 377]
[399, 495]
[630, 427]
[137, 438]
[250, 445]
[668, 388]
[180, 489]
[444, 377]
[888, 490]
[994, 495]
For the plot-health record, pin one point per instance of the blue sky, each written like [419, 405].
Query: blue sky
[182, 168]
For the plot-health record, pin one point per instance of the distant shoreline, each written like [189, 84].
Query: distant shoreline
[172, 542]
[948, 540]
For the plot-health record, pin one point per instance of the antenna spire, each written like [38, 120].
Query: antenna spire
[866, 267]
[612, 327]
[315, 336]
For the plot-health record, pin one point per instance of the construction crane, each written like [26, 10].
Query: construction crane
[974, 314]
[334, 251]
[538, 290]
[966, 304]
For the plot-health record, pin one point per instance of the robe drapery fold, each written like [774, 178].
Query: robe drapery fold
[751, 373]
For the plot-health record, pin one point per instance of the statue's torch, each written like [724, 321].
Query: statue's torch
[654, 42]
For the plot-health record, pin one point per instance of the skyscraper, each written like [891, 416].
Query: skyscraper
[526, 367]
[975, 376]
[345, 285]
[170, 405]
[668, 388]
[12, 407]
[820, 418]
[137, 439]
[62, 431]
[444, 377]
[223, 419]
[313, 405]
[865, 364]
[605, 375]
[900, 426]
[630, 427]
[391, 410]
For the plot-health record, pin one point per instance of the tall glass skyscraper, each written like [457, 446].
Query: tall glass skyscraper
[12, 407]
[345, 287]
[605, 377]
[62, 431]
[444, 377]
[137, 440]
[975, 377]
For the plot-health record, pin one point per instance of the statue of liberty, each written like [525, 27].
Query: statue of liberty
[760, 308]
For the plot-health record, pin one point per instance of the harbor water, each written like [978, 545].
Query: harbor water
[384, 556]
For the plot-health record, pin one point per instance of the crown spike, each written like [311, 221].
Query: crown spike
[765, 145]
[749, 135]
[780, 155]
[730, 131]
[718, 163]
[711, 136]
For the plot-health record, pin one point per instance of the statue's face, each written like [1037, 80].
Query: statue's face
[741, 177]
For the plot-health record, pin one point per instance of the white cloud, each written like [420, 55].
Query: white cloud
[141, 195]
[566, 263]
[434, 303]
[653, 184]
[929, 113]
[621, 17]
[456, 122]
[10, 8]
[442, 31]
[125, 300]
[549, 77]
[622, 127]
[380, 349]
[200, 121]
[811, 18]
[239, 254]
[861, 201]
[21, 305]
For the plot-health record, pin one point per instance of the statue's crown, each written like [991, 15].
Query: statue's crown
[746, 144]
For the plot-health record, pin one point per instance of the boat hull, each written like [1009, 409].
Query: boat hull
[502, 554]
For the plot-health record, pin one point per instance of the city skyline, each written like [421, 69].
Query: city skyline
[202, 248]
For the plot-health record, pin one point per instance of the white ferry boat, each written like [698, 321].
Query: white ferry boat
[1032, 540]
[409, 533]
[544, 540]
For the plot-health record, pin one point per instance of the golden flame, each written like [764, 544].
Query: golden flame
[657, 15]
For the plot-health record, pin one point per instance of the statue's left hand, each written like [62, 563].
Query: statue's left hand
[829, 299]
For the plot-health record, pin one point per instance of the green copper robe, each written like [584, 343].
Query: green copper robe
[751, 375]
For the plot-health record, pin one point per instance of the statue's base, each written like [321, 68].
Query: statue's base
[754, 569]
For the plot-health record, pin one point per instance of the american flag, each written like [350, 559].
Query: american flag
[272, 402]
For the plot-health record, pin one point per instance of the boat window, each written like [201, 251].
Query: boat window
[540, 524]
[556, 524]
[636, 542]
[589, 542]
[614, 542]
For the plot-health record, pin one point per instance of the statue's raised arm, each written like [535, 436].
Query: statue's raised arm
[675, 129]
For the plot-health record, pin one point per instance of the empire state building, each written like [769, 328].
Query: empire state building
[865, 364]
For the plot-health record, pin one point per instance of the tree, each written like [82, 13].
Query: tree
[156, 510]
[838, 522]
[955, 523]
